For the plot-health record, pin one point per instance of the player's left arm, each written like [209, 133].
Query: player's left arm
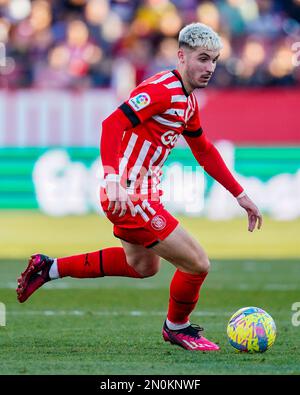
[210, 159]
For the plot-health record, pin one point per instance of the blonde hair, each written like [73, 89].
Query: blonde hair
[199, 35]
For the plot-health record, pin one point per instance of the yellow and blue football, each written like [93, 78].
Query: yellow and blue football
[251, 329]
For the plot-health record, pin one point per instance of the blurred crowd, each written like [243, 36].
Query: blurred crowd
[79, 44]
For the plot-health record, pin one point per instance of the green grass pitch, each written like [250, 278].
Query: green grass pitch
[113, 325]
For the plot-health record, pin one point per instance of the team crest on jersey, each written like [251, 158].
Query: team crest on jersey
[140, 101]
[158, 222]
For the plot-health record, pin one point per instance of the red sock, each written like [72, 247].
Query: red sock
[106, 262]
[184, 294]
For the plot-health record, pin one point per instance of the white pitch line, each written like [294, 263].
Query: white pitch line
[282, 287]
[140, 285]
[67, 285]
[132, 313]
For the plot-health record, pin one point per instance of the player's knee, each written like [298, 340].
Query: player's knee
[146, 267]
[205, 265]
[149, 272]
[201, 263]
[146, 272]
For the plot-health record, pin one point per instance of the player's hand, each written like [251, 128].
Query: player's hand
[118, 199]
[254, 215]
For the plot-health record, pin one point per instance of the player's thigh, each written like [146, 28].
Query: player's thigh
[144, 260]
[183, 251]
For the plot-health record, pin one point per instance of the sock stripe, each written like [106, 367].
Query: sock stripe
[181, 302]
[101, 263]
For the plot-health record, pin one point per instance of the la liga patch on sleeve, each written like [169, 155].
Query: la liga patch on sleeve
[140, 101]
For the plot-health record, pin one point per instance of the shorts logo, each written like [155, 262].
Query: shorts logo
[158, 222]
[140, 101]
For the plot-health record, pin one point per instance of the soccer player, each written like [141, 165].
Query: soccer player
[136, 140]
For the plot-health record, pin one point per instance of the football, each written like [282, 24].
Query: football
[252, 330]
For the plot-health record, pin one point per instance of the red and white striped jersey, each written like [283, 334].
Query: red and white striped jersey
[160, 110]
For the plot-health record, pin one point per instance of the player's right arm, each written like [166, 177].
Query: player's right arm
[112, 131]
[210, 159]
[143, 103]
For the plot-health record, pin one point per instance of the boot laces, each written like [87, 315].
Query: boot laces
[193, 330]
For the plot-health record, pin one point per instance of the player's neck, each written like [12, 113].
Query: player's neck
[187, 87]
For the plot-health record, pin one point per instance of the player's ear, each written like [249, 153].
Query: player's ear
[181, 55]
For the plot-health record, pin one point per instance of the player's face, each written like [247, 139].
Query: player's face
[197, 66]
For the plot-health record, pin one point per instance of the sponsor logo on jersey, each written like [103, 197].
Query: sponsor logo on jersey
[140, 101]
[169, 138]
[158, 222]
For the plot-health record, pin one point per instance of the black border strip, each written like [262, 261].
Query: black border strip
[101, 263]
[152, 244]
[130, 114]
[196, 133]
[121, 238]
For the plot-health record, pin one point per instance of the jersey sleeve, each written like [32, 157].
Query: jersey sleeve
[110, 145]
[209, 157]
[193, 127]
[146, 101]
